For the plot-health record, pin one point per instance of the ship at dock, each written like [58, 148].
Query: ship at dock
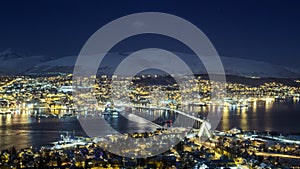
[110, 111]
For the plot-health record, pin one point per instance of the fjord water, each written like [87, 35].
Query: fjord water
[279, 116]
[22, 131]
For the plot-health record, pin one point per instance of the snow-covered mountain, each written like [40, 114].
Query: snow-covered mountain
[15, 64]
[246, 67]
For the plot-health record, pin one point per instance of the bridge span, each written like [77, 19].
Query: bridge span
[203, 130]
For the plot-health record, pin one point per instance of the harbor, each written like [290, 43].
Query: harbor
[71, 148]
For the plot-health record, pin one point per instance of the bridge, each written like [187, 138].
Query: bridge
[203, 130]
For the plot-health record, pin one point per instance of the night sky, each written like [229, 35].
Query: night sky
[258, 30]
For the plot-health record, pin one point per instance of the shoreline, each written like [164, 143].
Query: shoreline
[268, 136]
[64, 155]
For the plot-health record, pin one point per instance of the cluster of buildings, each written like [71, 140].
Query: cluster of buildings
[231, 149]
[53, 94]
[42, 94]
[258, 150]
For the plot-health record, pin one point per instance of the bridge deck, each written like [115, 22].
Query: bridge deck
[165, 108]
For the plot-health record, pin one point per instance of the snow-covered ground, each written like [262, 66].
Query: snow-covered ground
[12, 64]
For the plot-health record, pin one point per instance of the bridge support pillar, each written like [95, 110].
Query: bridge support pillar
[204, 131]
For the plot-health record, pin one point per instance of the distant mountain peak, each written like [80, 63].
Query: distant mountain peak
[11, 54]
[13, 63]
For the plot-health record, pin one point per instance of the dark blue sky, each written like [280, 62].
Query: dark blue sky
[260, 30]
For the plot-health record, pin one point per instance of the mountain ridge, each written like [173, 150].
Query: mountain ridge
[13, 64]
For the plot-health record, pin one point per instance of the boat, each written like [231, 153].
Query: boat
[68, 142]
[111, 112]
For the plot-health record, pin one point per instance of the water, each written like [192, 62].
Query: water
[264, 116]
[23, 131]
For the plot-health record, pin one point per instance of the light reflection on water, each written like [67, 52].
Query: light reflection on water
[263, 116]
[22, 130]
